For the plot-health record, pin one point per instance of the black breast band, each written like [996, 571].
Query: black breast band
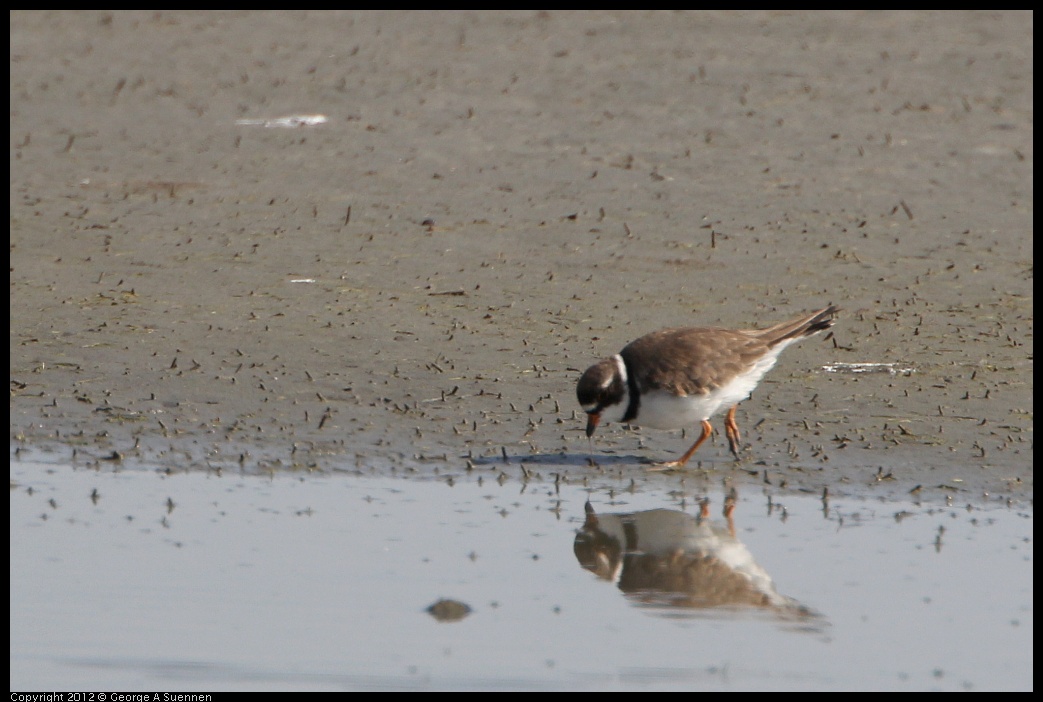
[635, 394]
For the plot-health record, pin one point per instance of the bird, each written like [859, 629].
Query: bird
[676, 378]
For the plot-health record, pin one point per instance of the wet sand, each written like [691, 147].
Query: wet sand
[495, 201]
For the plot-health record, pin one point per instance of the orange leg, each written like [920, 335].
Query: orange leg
[707, 430]
[729, 509]
[732, 430]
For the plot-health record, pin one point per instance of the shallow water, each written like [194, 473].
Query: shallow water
[147, 581]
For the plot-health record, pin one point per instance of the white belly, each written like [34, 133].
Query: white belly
[663, 410]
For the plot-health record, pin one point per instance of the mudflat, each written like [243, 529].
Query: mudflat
[459, 212]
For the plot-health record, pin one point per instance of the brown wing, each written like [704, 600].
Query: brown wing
[693, 360]
[805, 325]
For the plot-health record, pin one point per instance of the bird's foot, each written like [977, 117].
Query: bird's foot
[662, 466]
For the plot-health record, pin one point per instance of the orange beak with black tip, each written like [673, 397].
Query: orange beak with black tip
[592, 422]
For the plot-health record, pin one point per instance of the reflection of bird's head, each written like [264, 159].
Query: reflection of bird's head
[597, 551]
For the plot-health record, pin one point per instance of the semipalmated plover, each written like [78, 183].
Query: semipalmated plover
[675, 378]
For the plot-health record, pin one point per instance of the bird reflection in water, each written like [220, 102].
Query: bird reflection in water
[682, 564]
